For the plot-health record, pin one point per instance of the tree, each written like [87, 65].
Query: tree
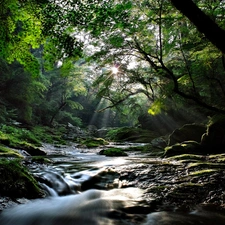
[25, 25]
[20, 26]
[178, 58]
[18, 92]
[62, 84]
[203, 22]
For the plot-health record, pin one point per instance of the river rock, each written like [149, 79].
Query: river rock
[102, 132]
[214, 138]
[188, 132]
[195, 217]
[16, 181]
[186, 147]
[34, 151]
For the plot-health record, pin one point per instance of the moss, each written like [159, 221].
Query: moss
[187, 147]
[207, 165]
[148, 148]
[218, 158]
[16, 181]
[186, 156]
[8, 152]
[203, 172]
[29, 148]
[14, 135]
[113, 152]
[94, 142]
[41, 159]
[49, 135]
[18, 139]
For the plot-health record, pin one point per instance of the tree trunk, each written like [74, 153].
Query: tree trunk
[63, 104]
[204, 24]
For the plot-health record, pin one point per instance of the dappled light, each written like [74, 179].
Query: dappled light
[101, 114]
[115, 70]
[112, 112]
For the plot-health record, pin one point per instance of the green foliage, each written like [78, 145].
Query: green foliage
[130, 134]
[18, 91]
[49, 135]
[159, 53]
[172, 58]
[63, 85]
[67, 117]
[13, 136]
[116, 41]
[157, 107]
[21, 31]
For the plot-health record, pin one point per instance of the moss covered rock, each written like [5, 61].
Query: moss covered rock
[188, 147]
[113, 152]
[16, 181]
[8, 152]
[214, 138]
[188, 132]
[94, 142]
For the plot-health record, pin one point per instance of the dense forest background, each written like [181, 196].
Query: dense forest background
[111, 63]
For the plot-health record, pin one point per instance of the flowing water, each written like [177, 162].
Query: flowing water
[83, 188]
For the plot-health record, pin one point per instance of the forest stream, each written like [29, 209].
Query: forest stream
[85, 188]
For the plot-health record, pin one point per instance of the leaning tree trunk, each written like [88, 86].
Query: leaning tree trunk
[57, 111]
[204, 24]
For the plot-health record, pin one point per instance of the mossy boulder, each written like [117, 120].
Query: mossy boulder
[214, 138]
[32, 150]
[94, 142]
[8, 152]
[188, 132]
[20, 139]
[187, 147]
[113, 152]
[16, 181]
[41, 159]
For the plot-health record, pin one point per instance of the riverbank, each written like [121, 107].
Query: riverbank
[180, 183]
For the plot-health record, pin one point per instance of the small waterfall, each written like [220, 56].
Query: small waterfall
[55, 184]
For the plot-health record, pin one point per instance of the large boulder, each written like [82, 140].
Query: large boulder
[187, 147]
[101, 133]
[214, 138]
[188, 132]
[16, 181]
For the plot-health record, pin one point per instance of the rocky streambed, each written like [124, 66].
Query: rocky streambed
[137, 189]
